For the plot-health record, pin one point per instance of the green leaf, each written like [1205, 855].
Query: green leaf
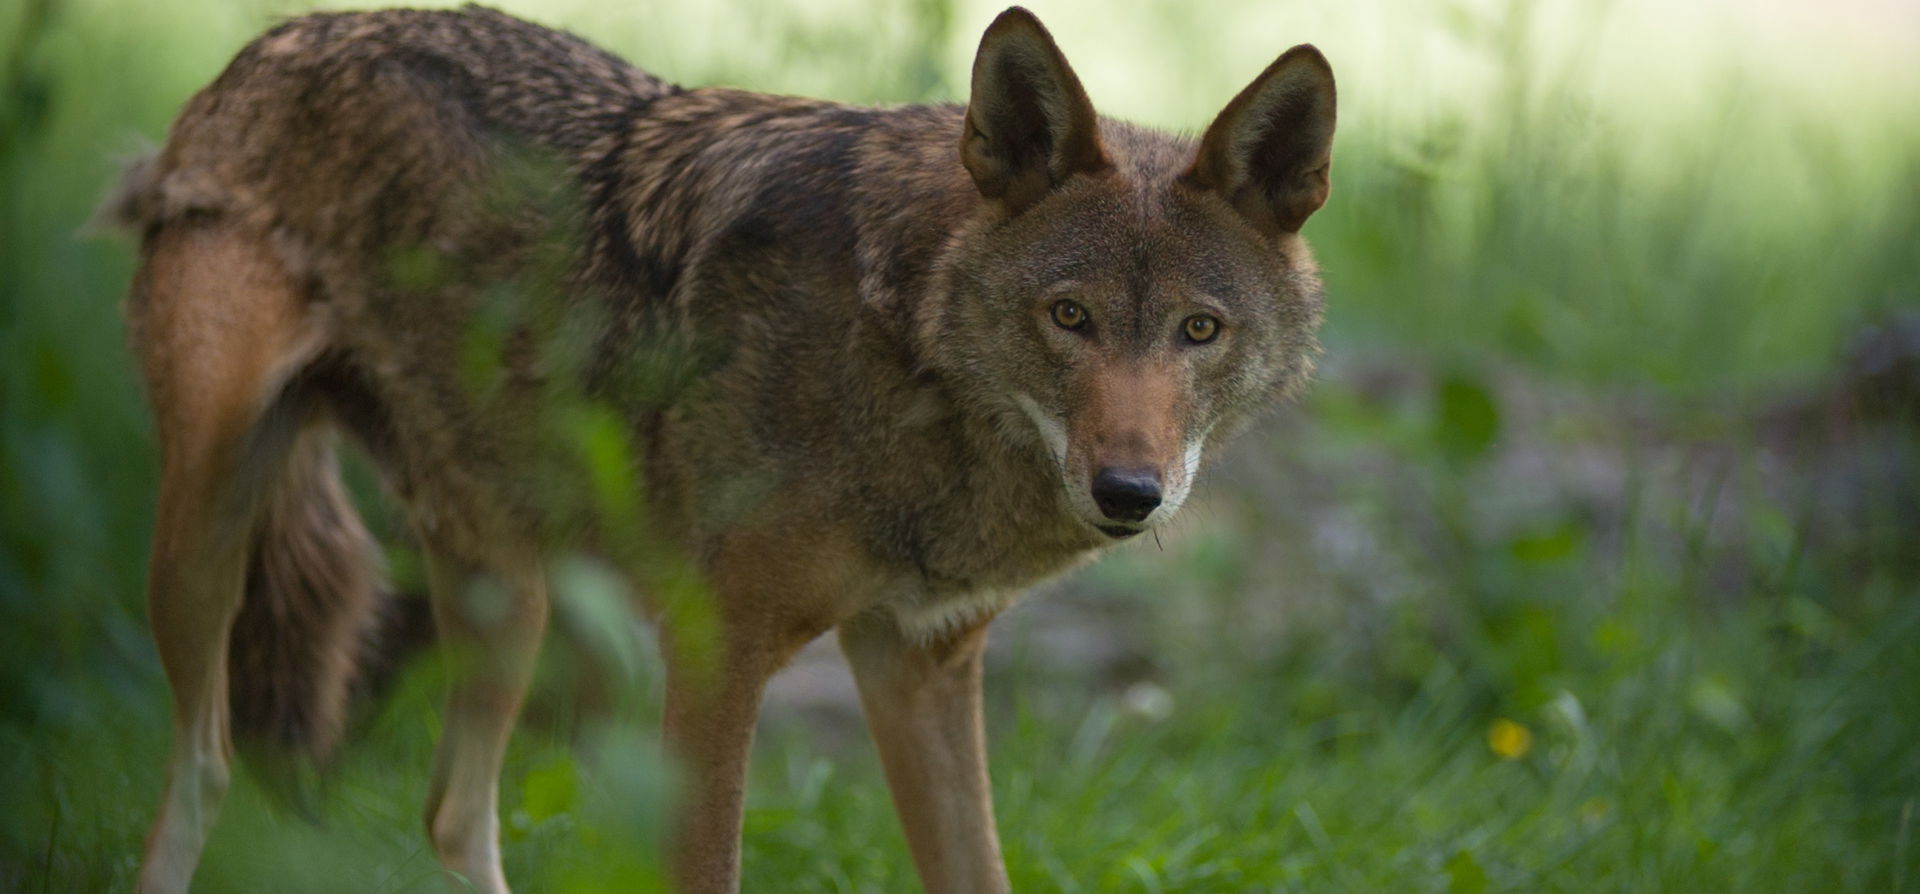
[1467, 420]
[1548, 545]
[551, 789]
[1464, 875]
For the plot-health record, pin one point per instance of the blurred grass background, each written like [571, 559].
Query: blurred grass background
[1591, 563]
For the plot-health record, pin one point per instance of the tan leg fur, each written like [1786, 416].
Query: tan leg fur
[220, 326]
[922, 701]
[492, 618]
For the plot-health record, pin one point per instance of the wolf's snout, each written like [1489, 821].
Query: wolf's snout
[1128, 495]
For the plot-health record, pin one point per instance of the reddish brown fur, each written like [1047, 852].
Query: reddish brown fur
[1130, 413]
[824, 332]
[218, 325]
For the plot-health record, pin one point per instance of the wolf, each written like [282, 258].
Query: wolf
[787, 365]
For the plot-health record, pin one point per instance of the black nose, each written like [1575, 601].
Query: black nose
[1127, 494]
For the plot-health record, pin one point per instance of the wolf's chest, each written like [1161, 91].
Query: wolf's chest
[978, 547]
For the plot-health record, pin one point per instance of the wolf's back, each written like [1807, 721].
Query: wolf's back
[333, 120]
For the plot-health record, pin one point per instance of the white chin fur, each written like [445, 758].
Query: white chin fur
[1052, 431]
[1179, 482]
[1181, 485]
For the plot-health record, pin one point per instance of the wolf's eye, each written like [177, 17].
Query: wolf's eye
[1201, 328]
[1068, 314]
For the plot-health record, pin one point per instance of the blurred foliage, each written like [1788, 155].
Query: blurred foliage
[1614, 457]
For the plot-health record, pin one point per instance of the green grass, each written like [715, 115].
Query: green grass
[1731, 755]
[1588, 459]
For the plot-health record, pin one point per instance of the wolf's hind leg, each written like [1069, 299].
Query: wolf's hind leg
[218, 326]
[491, 619]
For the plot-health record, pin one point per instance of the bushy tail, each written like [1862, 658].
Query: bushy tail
[318, 626]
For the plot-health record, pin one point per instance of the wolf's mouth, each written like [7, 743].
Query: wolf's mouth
[1118, 532]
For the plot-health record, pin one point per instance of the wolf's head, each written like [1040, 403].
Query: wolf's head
[1128, 297]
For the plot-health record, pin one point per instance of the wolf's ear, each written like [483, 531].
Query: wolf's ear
[1029, 123]
[1269, 151]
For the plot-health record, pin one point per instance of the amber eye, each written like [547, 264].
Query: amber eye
[1069, 314]
[1201, 328]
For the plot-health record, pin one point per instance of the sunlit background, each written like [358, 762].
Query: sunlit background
[1591, 563]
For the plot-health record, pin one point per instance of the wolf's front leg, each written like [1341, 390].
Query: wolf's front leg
[922, 700]
[710, 713]
[713, 699]
[774, 589]
[491, 622]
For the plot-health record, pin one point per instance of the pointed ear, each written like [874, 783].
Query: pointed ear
[1029, 123]
[1269, 152]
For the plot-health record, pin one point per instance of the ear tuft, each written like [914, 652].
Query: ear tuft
[1270, 150]
[1030, 125]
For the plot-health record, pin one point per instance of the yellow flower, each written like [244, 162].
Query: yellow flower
[1508, 739]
